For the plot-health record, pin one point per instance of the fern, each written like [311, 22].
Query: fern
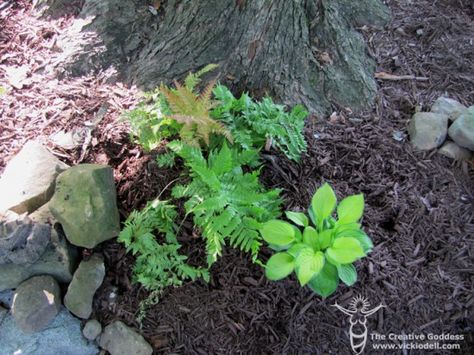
[166, 160]
[192, 109]
[158, 265]
[253, 124]
[149, 124]
[227, 204]
[193, 79]
[168, 112]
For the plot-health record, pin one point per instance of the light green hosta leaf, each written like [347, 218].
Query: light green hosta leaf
[347, 273]
[308, 264]
[297, 218]
[310, 237]
[361, 237]
[326, 282]
[279, 266]
[345, 250]
[298, 235]
[325, 239]
[323, 203]
[277, 232]
[350, 209]
[343, 227]
[296, 249]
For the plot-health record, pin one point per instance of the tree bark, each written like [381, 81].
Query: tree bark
[299, 51]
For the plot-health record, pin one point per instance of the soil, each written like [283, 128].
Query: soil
[419, 206]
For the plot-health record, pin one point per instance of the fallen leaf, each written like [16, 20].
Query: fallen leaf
[17, 77]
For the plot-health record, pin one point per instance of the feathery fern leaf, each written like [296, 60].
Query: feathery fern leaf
[158, 265]
[192, 109]
[226, 203]
[253, 124]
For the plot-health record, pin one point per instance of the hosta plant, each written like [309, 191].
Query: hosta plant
[320, 249]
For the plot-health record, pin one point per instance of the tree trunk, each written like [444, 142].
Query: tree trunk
[299, 51]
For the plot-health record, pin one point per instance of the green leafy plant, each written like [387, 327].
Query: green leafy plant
[256, 124]
[166, 160]
[158, 264]
[227, 203]
[321, 254]
[149, 121]
[191, 109]
[180, 111]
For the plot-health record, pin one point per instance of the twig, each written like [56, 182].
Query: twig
[386, 76]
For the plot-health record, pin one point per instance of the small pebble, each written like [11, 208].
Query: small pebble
[92, 329]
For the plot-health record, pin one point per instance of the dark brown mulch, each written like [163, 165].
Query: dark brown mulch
[420, 213]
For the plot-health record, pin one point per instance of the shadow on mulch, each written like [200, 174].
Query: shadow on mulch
[419, 212]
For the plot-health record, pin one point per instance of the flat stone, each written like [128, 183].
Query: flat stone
[58, 260]
[85, 204]
[61, 337]
[453, 151]
[43, 215]
[6, 298]
[22, 241]
[92, 329]
[35, 303]
[428, 130]
[449, 107]
[28, 180]
[462, 130]
[3, 313]
[85, 282]
[119, 339]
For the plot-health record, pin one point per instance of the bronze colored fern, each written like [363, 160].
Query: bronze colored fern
[192, 110]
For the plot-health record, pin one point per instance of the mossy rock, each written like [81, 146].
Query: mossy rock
[85, 204]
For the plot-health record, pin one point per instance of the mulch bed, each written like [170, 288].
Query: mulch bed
[419, 206]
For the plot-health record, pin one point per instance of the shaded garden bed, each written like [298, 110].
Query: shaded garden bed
[419, 212]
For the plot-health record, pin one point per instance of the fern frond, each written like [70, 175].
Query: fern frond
[158, 265]
[253, 123]
[226, 203]
[192, 110]
[193, 79]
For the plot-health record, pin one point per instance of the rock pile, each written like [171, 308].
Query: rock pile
[448, 119]
[47, 212]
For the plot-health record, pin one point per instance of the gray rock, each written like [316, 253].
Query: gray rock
[35, 303]
[92, 329]
[85, 204]
[6, 298]
[62, 337]
[28, 179]
[86, 280]
[3, 313]
[58, 260]
[22, 241]
[449, 107]
[43, 215]
[462, 130]
[119, 339]
[453, 151]
[428, 130]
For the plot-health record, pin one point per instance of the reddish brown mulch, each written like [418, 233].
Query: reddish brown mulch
[420, 214]
[46, 105]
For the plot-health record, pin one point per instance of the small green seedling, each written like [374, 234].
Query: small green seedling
[321, 254]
